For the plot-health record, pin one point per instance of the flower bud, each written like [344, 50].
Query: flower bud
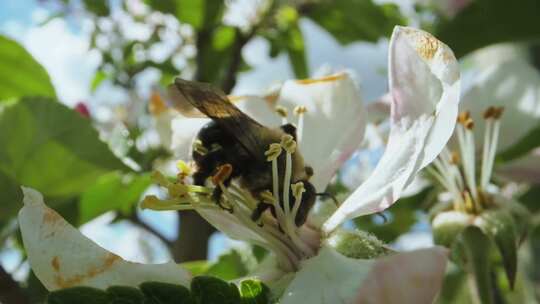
[357, 244]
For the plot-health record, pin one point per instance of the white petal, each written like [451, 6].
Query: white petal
[62, 257]
[515, 85]
[227, 223]
[405, 277]
[524, 169]
[424, 82]
[329, 277]
[410, 277]
[333, 125]
[184, 131]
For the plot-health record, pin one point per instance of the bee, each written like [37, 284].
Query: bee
[234, 138]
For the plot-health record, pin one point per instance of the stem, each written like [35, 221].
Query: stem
[10, 291]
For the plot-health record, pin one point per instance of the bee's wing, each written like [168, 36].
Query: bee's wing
[213, 103]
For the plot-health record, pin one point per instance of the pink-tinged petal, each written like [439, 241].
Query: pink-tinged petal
[333, 124]
[425, 83]
[409, 277]
[62, 257]
[328, 277]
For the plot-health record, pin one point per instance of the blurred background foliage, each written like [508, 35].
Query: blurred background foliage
[87, 166]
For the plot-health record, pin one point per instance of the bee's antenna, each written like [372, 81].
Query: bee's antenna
[330, 195]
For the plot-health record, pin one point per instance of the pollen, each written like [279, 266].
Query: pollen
[298, 189]
[222, 174]
[273, 152]
[282, 111]
[299, 110]
[288, 143]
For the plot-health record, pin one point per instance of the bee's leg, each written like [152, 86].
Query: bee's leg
[257, 213]
[218, 193]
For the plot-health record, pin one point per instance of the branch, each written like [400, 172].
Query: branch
[10, 291]
[135, 219]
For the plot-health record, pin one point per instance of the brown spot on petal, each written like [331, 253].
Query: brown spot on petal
[50, 216]
[330, 78]
[78, 279]
[55, 263]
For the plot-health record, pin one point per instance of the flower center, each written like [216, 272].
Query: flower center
[278, 234]
[456, 172]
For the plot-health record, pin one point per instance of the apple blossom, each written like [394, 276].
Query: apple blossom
[424, 82]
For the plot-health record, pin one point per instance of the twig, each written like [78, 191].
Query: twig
[135, 219]
[10, 291]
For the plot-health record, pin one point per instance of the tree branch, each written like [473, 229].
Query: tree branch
[135, 219]
[10, 291]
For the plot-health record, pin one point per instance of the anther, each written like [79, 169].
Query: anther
[273, 152]
[454, 158]
[149, 201]
[489, 112]
[498, 112]
[282, 111]
[299, 110]
[222, 174]
[298, 189]
[288, 143]
[184, 169]
[267, 197]
[463, 117]
[469, 124]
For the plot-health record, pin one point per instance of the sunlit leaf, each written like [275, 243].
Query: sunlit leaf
[21, 74]
[50, 147]
[229, 266]
[210, 290]
[254, 292]
[112, 191]
[353, 20]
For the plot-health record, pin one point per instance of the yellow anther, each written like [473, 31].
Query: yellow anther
[149, 201]
[282, 111]
[288, 143]
[298, 189]
[469, 124]
[184, 168]
[454, 158]
[273, 152]
[177, 190]
[222, 174]
[199, 147]
[267, 197]
[299, 110]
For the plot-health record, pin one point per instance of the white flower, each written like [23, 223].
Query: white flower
[424, 82]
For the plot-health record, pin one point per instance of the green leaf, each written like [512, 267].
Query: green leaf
[98, 7]
[353, 20]
[201, 14]
[11, 196]
[99, 77]
[52, 148]
[296, 52]
[125, 295]
[525, 145]
[448, 225]
[254, 292]
[79, 295]
[210, 290]
[20, 74]
[531, 198]
[500, 226]
[196, 267]
[485, 22]
[474, 246]
[164, 293]
[228, 267]
[112, 191]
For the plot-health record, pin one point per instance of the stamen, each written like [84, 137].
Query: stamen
[466, 146]
[289, 145]
[494, 141]
[184, 170]
[272, 154]
[282, 111]
[297, 190]
[300, 111]
[484, 178]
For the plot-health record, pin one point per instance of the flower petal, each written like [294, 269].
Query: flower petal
[62, 257]
[410, 277]
[229, 224]
[424, 82]
[331, 277]
[524, 169]
[333, 124]
[514, 85]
